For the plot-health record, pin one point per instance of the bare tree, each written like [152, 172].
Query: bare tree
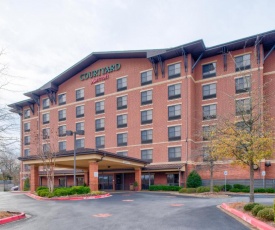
[46, 151]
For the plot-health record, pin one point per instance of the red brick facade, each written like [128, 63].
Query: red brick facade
[191, 103]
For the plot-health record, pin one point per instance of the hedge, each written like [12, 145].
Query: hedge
[63, 191]
[266, 214]
[164, 188]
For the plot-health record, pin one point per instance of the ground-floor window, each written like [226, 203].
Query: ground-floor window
[105, 182]
[147, 180]
[173, 179]
[62, 182]
[79, 181]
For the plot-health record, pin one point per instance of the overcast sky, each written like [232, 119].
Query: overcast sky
[42, 38]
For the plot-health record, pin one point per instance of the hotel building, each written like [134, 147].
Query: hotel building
[141, 112]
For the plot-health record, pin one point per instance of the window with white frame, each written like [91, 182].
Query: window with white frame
[62, 99]
[62, 115]
[242, 84]
[174, 112]
[174, 133]
[122, 153]
[46, 103]
[27, 113]
[100, 142]
[147, 155]
[209, 70]
[243, 106]
[46, 118]
[46, 133]
[27, 127]
[79, 126]
[122, 139]
[80, 143]
[174, 154]
[79, 111]
[147, 116]
[62, 130]
[62, 145]
[146, 136]
[122, 102]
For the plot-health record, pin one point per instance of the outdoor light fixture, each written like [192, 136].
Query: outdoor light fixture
[72, 133]
[267, 163]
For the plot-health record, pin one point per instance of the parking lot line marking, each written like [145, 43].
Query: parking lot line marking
[127, 200]
[176, 205]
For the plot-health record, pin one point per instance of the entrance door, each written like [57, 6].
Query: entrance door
[147, 180]
[119, 182]
[105, 182]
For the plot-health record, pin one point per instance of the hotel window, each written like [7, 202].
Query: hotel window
[100, 142]
[209, 70]
[174, 71]
[147, 155]
[62, 182]
[243, 107]
[27, 127]
[99, 107]
[242, 84]
[122, 84]
[46, 118]
[242, 125]
[79, 143]
[46, 103]
[147, 116]
[99, 124]
[209, 91]
[205, 154]
[174, 91]
[174, 112]
[146, 97]
[79, 126]
[62, 115]
[46, 148]
[174, 133]
[80, 181]
[173, 179]
[26, 152]
[62, 99]
[146, 78]
[174, 154]
[27, 113]
[208, 132]
[62, 145]
[146, 136]
[62, 130]
[124, 153]
[46, 133]
[79, 94]
[79, 111]
[122, 139]
[209, 112]
[122, 102]
[122, 121]
[242, 62]
[99, 90]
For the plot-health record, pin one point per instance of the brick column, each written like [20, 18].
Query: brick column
[138, 178]
[93, 169]
[34, 177]
[86, 178]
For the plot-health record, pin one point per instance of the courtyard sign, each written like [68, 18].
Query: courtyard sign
[99, 73]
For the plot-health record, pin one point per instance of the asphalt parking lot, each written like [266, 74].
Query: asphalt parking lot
[128, 210]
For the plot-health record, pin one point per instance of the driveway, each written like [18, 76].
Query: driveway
[129, 210]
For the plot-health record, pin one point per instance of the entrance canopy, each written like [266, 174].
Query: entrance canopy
[105, 160]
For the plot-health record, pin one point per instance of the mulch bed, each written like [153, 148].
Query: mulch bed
[4, 214]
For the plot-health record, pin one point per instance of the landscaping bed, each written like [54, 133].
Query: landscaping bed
[4, 214]
[241, 205]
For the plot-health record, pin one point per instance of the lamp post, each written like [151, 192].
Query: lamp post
[73, 133]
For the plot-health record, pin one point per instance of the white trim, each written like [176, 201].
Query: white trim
[144, 71]
[122, 95]
[209, 83]
[174, 125]
[122, 77]
[175, 104]
[214, 103]
[173, 63]
[80, 88]
[144, 90]
[175, 83]
[238, 55]
[210, 62]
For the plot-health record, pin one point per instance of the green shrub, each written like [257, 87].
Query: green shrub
[259, 190]
[187, 190]
[61, 191]
[194, 180]
[234, 190]
[245, 190]
[256, 209]
[249, 206]
[217, 188]
[96, 193]
[41, 188]
[80, 190]
[202, 189]
[164, 188]
[266, 214]
[27, 184]
[270, 190]
[228, 187]
[43, 193]
[240, 186]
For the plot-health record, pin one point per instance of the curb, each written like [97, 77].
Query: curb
[12, 218]
[69, 198]
[249, 219]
